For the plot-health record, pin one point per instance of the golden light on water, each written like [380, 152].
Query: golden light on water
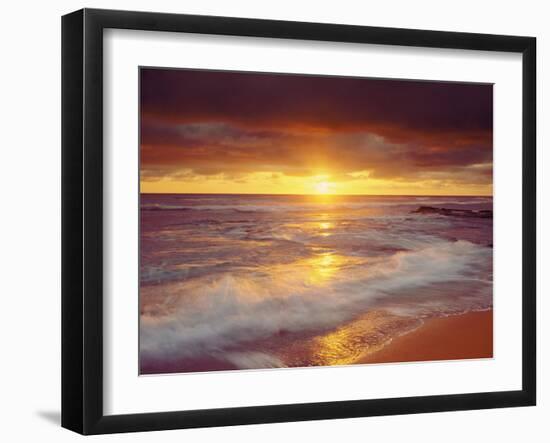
[319, 269]
[361, 336]
[324, 228]
[323, 267]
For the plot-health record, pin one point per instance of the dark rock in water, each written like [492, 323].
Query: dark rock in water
[482, 213]
[426, 210]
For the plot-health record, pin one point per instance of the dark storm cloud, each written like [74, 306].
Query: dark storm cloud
[327, 102]
[211, 122]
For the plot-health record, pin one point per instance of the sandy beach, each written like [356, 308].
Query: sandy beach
[446, 338]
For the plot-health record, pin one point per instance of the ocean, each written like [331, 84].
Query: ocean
[233, 282]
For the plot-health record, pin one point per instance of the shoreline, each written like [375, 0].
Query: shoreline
[457, 337]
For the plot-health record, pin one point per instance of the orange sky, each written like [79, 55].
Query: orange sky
[227, 132]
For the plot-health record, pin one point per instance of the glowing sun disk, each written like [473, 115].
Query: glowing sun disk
[322, 187]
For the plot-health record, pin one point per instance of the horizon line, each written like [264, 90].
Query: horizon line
[317, 195]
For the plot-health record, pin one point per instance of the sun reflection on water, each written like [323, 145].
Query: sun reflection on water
[316, 270]
[364, 335]
[324, 228]
[322, 267]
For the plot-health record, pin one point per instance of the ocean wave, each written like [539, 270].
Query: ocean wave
[212, 315]
[161, 207]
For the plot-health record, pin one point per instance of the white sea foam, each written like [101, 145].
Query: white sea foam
[245, 360]
[214, 314]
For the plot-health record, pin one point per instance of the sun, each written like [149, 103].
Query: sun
[322, 187]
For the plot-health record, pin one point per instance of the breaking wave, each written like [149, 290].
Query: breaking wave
[211, 315]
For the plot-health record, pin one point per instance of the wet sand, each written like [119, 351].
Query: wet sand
[447, 338]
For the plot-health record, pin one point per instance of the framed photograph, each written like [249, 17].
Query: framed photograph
[268, 221]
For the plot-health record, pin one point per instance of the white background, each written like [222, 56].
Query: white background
[30, 222]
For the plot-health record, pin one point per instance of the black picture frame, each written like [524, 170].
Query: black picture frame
[82, 219]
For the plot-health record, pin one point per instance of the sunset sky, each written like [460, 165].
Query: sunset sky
[229, 132]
